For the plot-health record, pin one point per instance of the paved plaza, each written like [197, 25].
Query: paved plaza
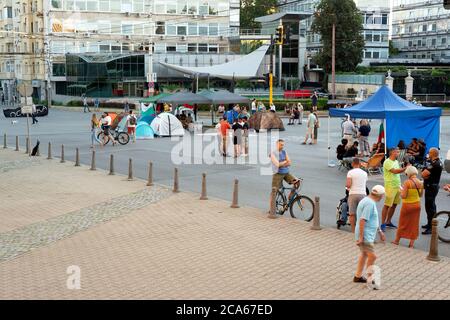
[131, 241]
[71, 128]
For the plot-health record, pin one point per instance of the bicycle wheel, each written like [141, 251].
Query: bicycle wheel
[302, 208]
[280, 203]
[101, 137]
[123, 138]
[443, 219]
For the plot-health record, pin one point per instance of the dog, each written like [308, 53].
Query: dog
[35, 151]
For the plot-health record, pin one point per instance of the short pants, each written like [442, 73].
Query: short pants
[367, 247]
[353, 201]
[392, 197]
[131, 130]
[278, 178]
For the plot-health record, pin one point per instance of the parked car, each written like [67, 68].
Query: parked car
[41, 111]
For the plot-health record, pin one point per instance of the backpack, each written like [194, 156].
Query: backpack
[132, 120]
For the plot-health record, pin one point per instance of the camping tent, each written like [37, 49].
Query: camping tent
[144, 131]
[153, 99]
[223, 97]
[166, 124]
[185, 97]
[403, 120]
[147, 113]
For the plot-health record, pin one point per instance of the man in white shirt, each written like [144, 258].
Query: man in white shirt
[131, 125]
[300, 109]
[348, 130]
[356, 185]
[310, 130]
[106, 125]
[253, 106]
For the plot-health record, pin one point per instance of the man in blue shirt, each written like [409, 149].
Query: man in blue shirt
[367, 225]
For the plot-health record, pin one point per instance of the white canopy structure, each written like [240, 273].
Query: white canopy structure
[239, 69]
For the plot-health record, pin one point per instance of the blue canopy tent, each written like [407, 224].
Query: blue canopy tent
[403, 120]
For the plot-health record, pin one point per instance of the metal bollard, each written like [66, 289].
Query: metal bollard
[27, 147]
[38, 153]
[62, 154]
[111, 165]
[130, 169]
[235, 204]
[175, 181]
[433, 254]
[203, 195]
[4, 142]
[316, 217]
[17, 143]
[77, 157]
[150, 174]
[273, 210]
[93, 161]
[49, 157]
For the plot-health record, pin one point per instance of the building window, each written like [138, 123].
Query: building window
[57, 4]
[127, 6]
[213, 8]
[160, 27]
[202, 47]
[192, 47]
[443, 40]
[213, 29]
[192, 29]
[103, 5]
[181, 47]
[203, 8]
[138, 6]
[213, 48]
[181, 30]
[171, 48]
[375, 54]
[171, 8]
[203, 30]
[115, 6]
[127, 29]
[182, 7]
[384, 19]
[160, 47]
[171, 30]
[92, 5]
[193, 7]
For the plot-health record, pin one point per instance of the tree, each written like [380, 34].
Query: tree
[349, 39]
[251, 9]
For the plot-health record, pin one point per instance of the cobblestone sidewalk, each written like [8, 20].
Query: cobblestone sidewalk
[184, 248]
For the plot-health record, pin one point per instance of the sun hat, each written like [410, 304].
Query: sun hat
[378, 190]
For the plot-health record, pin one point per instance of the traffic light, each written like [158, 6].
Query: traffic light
[287, 34]
[447, 4]
[279, 35]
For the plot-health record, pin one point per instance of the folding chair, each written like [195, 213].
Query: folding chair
[373, 165]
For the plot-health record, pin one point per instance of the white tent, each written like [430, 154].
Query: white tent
[242, 68]
[166, 124]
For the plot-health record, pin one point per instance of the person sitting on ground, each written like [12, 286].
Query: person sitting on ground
[341, 149]
[295, 115]
[352, 151]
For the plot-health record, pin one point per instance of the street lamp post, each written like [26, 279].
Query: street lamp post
[333, 59]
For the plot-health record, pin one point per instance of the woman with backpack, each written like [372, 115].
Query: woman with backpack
[131, 125]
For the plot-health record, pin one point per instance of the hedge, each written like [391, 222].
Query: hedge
[112, 105]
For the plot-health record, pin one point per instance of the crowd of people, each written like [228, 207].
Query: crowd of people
[363, 213]
[240, 130]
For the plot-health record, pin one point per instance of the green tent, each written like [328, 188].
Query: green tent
[153, 99]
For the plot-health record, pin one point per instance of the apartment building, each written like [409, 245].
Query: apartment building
[119, 31]
[421, 29]
[21, 46]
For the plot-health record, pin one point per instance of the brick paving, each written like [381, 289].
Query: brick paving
[183, 248]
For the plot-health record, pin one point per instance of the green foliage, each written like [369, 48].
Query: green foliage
[251, 9]
[393, 51]
[438, 73]
[349, 39]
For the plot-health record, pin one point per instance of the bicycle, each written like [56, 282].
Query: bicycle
[443, 218]
[119, 136]
[300, 206]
